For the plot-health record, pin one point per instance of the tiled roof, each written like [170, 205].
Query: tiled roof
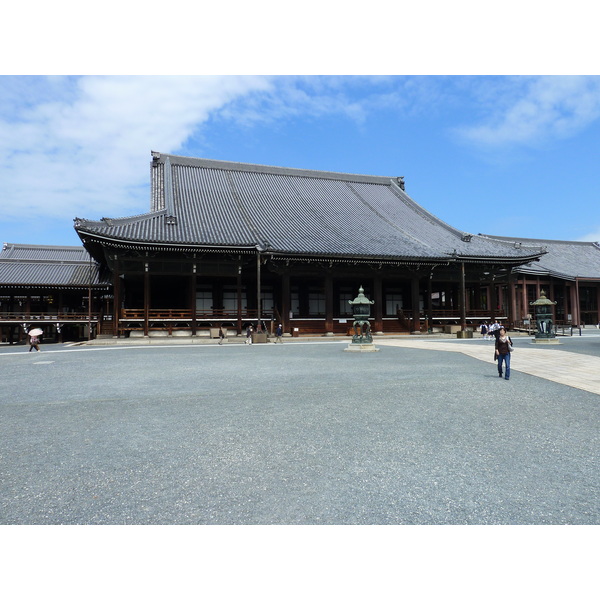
[61, 266]
[207, 203]
[44, 253]
[565, 260]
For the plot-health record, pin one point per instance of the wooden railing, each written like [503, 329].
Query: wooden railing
[175, 314]
[470, 314]
[45, 317]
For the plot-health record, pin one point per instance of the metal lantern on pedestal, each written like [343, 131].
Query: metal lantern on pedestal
[362, 340]
[545, 330]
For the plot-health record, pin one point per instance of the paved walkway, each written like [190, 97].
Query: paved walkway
[576, 370]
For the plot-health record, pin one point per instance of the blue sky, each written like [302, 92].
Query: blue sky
[504, 155]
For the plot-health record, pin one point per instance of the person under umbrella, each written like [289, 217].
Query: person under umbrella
[34, 339]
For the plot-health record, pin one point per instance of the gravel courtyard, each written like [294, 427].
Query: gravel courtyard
[298, 433]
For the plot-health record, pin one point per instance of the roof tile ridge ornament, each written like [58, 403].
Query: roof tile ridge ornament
[80, 223]
[171, 217]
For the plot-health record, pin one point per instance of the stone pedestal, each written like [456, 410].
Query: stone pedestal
[452, 328]
[361, 348]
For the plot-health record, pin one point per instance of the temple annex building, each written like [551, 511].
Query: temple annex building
[231, 244]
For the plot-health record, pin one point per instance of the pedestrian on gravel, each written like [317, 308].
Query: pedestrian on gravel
[495, 330]
[278, 334]
[503, 350]
[34, 342]
[484, 330]
[249, 334]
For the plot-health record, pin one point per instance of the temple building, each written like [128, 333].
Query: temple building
[569, 273]
[58, 288]
[232, 244]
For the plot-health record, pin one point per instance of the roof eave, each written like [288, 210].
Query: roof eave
[127, 242]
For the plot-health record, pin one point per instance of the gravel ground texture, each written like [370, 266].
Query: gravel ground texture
[293, 433]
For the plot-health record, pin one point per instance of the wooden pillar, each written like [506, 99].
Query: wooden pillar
[501, 300]
[285, 303]
[429, 302]
[328, 304]
[239, 298]
[525, 307]
[116, 301]
[59, 335]
[193, 282]
[577, 303]
[462, 300]
[416, 323]
[146, 299]
[258, 294]
[573, 304]
[90, 300]
[513, 299]
[378, 306]
[493, 301]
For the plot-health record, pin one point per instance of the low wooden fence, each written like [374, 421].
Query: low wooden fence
[172, 319]
[44, 317]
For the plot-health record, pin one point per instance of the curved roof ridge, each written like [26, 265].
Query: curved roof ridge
[225, 165]
[10, 245]
[423, 212]
[539, 240]
[120, 220]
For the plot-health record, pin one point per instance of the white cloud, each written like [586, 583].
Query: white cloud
[306, 96]
[67, 145]
[78, 146]
[593, 236]
[532, 110]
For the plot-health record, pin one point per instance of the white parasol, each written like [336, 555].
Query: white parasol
[36, 331]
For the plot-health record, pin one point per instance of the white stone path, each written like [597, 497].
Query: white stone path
[569, 368]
